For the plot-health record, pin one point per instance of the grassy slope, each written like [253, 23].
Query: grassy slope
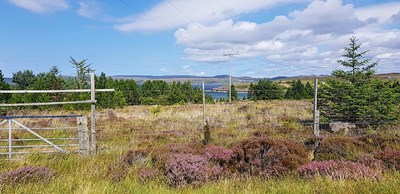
[154, 126]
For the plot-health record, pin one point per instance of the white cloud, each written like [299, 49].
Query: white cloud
[89, 9]
[165, 17]
[308, 40]
[382, 12]
[295, 33]
[164, 70]
[42, 6]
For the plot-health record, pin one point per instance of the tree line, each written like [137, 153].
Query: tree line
[127, 92]
[266, 90]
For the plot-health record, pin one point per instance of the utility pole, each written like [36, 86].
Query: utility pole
[230, 55]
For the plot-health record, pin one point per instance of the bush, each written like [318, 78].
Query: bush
[27, 174]
[381, 141]
[146, 174]
[119, 170]
[160, 156]
[390, 157]
[219, 155]
[337, 169]
[183, 169]
[338, 147]
[267, 157]
[371, 162]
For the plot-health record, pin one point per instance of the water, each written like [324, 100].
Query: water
[217, 95]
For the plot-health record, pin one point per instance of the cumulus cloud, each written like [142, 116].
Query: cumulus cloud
[165, 17]
[381, 12]
[42, 6]
[307, 40]
[298, 32]
[89, 9]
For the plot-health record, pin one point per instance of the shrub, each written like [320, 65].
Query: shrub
[146, 174]
[183, 169]
[160, 156]
[268, 157]
[390, 157]
[338, 147]
[219, 154]
[119, 170]
[337, 169]
[381, 141]
[371, 162]
[27, 174]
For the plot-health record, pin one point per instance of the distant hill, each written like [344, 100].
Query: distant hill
[223, 79]
[8, 80]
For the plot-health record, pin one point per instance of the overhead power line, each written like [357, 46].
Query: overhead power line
[144, 14]
[180, 11]
[187, 17]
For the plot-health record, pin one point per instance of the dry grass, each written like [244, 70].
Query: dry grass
[144, 127]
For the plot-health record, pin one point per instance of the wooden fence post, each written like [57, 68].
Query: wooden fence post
[316, 112]
[83, 135]
[9, 139]
[93, 112]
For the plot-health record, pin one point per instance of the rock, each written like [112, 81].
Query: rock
[341, 126]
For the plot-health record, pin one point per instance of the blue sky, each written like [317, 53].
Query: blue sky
[175, 37]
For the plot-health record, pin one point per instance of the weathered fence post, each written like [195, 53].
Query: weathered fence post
[204, 106]
[316, 112]
[93, 112]
[83, 135]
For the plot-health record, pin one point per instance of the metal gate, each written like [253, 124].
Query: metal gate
[44, 134]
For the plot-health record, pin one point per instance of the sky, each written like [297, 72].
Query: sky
[190, 37]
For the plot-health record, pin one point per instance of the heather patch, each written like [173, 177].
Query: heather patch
[119, 170]
[219, 155]
[339, 148]
[338, 169]
[381, 141]
[147, 174]
[27, 174]
[184, 169]
[390, 157]
[268, 157]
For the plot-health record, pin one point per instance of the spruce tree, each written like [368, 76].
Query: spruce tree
[357, 97]
[361, 69]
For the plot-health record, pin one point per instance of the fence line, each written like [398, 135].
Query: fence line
[82, 121]
[52, 91]
[81, 135]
